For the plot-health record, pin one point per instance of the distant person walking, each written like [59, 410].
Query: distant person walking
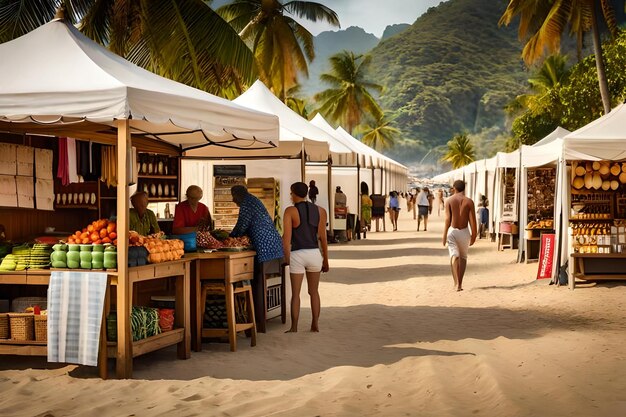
[431, 198]
[422, 208]
[394, 209]
[440, 202]
[313, 191]
[483, 217]
[460, 216]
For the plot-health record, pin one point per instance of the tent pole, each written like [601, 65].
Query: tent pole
[124, 362]
[303, 164]
[331, 213]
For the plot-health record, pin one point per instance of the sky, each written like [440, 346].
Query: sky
[371, 15]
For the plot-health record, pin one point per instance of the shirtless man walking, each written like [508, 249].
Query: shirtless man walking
[460, 216]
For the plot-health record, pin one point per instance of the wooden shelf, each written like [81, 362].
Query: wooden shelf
[23, 348]
[158, 177]
[150, 344]
[77, 206]
[600, 255]
[162, 199]
[591, 220]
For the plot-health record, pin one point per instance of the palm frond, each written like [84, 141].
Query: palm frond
[18, 17]
[96, 23]
[312, 11]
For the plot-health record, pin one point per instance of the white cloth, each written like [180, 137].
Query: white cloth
[459, 242]
[71, 159]
[422, 199]
[309, 260]
[75, 305]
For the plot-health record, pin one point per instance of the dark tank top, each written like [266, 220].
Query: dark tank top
[305, 235]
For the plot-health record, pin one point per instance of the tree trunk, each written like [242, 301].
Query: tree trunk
[597, 49]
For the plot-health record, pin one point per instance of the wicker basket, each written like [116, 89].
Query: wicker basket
[41, 328]
[22, 326]
[4, 326]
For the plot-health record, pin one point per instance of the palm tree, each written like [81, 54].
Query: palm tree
[460, 151]
[543, 22]
[281, 45]
[349, 99]
[544, 86]
[184, 40]
[295, 102]
[379, 135]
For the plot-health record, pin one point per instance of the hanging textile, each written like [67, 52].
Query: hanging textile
[63, 170]
[71, 160]
[109, 166]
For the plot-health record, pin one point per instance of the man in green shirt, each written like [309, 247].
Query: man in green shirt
[142, 220]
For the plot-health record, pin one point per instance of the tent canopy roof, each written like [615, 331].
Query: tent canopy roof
[557, 133]
[603, 138]
[55, 75]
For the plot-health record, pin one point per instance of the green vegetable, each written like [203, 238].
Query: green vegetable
[85, 256]
[73, 264]
[59, 264]
[73, 257]
[85, 265]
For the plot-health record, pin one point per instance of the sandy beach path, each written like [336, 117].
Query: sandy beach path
[395, 340]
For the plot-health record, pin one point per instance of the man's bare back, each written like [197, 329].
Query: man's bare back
[460, 210]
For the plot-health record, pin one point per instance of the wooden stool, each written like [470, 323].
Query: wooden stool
[230, 292]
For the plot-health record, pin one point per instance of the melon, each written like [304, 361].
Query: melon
[580, 171]
[606, 185]
[588, 181]
[623, 166]
[595, 165]
[614, 185]
[615, 169]
[579, 183]
[604, 169]
[622, 177]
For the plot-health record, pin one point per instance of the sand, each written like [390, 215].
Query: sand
[395, 340]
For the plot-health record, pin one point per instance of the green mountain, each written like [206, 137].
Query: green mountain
[393, 30]
[328, 43]
[452, 71]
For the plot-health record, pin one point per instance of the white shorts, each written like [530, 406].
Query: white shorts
[309, 260]
[459, 242]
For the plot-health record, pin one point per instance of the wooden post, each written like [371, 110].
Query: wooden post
[124, 362]
[303, 164]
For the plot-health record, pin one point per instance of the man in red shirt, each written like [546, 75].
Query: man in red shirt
[191, 213]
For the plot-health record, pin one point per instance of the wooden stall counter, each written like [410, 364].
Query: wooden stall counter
[180, 336]
[599, 266]
[229, 267]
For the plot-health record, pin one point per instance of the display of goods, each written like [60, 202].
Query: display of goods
[236, 242]
[135, 239]
[207, 241]
[598, 175]
[99, 232]
[40, 256]
[541, 224]
[110, 257]
[144, 322]
[137, 256]
[220, 234]
[166, 319]
[164, 250]
[5, 249]
[23, 257]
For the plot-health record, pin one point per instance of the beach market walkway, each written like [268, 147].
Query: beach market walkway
[395, 340]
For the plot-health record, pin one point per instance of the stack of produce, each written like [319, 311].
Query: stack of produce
[58, 258]
[18, 260]
[144, 322]
[237, 242]
[40, 256]
[221, 239]
[9, 263]
[99, 232]
[164, 250]
[598, 175]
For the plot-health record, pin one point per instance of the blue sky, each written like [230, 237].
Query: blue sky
[371, 15]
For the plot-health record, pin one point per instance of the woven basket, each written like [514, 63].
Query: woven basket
[41, 328]
[4, 326]
[22, 326]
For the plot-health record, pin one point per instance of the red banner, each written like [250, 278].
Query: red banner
[546, 255]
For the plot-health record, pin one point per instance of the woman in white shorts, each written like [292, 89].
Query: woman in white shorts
[304, 227]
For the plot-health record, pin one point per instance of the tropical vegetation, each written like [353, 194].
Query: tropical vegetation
[460, 151]
[542, 24]
[281, 45]
[379, 134]
[186, 41]
[350, 99]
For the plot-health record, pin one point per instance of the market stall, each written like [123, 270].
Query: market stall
[86, 92]
[593, 201]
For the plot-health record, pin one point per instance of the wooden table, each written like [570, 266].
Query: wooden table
[124, 354]
[230, 267]
[599, 266]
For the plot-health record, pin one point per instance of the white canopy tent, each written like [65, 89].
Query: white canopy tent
[55, 76]
[85, 91]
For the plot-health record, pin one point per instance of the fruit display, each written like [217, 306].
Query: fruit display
[88, 256]
[598, 175]
[207, 241]
[24, 257]
[159, 249]
[236, 242]
[99, 232]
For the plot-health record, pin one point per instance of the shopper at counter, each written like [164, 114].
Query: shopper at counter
[191, 213]
[255, 222]
[141, 219]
